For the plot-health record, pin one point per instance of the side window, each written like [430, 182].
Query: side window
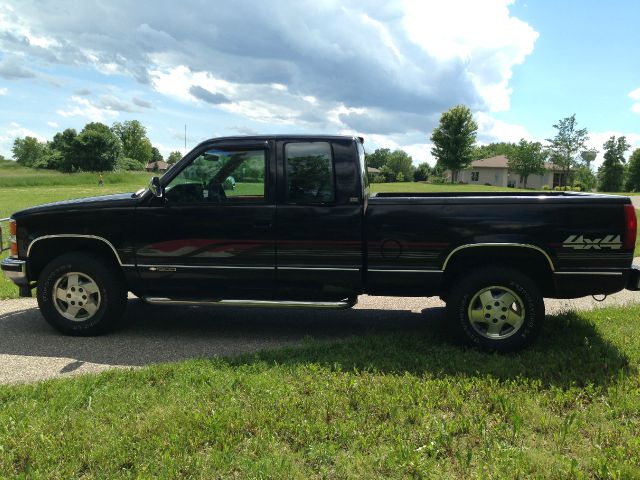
[309, 173]
[221, 176]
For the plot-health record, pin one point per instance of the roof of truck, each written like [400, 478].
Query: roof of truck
[281, 136]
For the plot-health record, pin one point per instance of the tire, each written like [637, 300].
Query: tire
[81, 295]
[496, 309]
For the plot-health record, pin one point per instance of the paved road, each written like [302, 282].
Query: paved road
[636, 200]
[31, 350]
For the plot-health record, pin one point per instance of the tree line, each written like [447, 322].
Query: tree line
[125, 146]
[455, 148]
[97, 148]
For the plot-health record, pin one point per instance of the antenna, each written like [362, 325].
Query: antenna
[185, 138]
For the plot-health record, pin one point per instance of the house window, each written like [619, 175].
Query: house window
[475, 176]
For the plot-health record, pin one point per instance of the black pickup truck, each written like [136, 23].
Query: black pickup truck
[288, 221]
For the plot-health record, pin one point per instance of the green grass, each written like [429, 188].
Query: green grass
[404, 404]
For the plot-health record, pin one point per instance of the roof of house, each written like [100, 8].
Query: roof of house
[501, 161]
[160, 165]
[373, 170]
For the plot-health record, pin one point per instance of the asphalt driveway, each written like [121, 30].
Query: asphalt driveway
[30, 350]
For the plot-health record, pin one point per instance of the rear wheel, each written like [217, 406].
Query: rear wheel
[496, 309]
[81, 295]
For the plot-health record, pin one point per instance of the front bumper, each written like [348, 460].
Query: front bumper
[633, 280]
[15, 270]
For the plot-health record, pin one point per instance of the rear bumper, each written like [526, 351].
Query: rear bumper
[15, 270]
[633, 280]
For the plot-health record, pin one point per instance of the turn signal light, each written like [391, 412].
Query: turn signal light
[12, 238]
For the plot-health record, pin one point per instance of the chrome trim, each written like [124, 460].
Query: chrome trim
[520, 245]
[340, 269]
[346, 303]
[589, 273]
[216, 267]
[15, 270]
[75, 235]
[403, 271]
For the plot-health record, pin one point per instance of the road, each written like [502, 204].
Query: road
[30, 350]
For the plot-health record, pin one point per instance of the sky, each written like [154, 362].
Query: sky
[382, 69]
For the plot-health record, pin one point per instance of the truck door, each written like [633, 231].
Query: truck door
[212, 233]
[318, 220]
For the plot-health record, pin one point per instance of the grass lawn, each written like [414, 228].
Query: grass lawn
[409, 404]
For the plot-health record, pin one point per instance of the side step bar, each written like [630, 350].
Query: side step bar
[340, 305]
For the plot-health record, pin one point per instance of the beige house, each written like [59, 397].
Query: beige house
[494, 171]
[158, 166]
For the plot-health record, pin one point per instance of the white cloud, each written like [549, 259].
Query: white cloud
[486, 38]
[85, 109]
[635, 95]
[393, 66]
[53, 124]
[492, 130]
[3, 90]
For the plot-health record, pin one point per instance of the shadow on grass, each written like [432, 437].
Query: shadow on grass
[570, 351]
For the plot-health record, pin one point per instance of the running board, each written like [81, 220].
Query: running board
[342, 304]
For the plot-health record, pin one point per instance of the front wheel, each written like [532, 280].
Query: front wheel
[496, 309]
[81, 295]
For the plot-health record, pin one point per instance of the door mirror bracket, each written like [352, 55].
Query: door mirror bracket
[156, 187]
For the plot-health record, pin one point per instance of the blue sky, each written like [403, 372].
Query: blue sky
[384, 70]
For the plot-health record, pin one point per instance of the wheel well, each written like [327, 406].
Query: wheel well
[529, 262]
[45, 250]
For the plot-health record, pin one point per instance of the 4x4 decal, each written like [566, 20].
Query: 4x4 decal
[578, 242]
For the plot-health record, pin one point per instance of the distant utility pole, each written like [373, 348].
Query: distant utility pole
[185, 138]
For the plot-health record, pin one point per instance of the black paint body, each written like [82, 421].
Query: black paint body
[387, 244]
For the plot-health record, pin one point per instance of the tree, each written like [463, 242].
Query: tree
[401, 164]
[125, 163]
[28, 151]
[64, 144]
[156, 156]
[174, 157]
[588, 156]
[565, 147]
[378, 158]
[97, 148]
[527, 158]
[422, 173]
[135, 143]
[492, 150]
[612, 170]
[454, 139]
[584, 178]
[633, 178]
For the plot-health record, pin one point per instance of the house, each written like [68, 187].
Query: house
[158, 166]
[373, 170]
[494, 171]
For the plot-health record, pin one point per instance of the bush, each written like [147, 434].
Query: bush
[129, 164]
[545, 187]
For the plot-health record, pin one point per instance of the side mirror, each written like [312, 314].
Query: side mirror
[156, 188]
